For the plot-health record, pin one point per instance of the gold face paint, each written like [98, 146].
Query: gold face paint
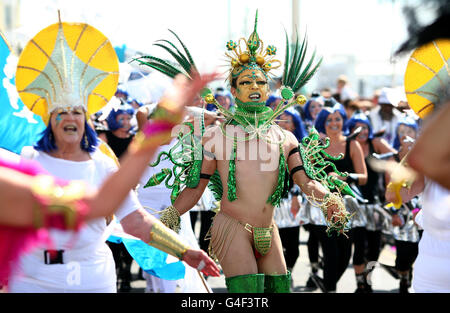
[251, 86]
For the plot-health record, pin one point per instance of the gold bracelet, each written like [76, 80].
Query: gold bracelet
[166, 240]
[170, 217]
[56, 200]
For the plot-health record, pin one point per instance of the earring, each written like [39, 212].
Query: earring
[86, 142]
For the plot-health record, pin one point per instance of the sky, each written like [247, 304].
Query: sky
[367, 31]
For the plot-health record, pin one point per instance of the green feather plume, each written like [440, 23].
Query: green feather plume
[295, 74]
[183, 62]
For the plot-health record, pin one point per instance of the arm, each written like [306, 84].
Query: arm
[143, 225]
[359, 164]
[307, 185]
[381, 146]
[190, 196]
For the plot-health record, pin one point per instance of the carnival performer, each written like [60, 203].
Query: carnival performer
[367, 222]
[337, 249]
[427, 64]
[76, 79]
[405, 231]
[246, 159]
[427, 151]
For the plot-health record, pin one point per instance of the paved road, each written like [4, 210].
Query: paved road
[382, 281]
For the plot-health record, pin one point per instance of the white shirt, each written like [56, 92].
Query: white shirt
[432, 266]
[88, 262]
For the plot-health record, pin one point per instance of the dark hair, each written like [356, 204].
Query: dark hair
[234, 82]
[47, 141]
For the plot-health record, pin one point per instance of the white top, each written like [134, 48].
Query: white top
[432, 267]
[88, 262]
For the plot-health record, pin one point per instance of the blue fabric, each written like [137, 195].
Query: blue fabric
[19, 127]
[150, 259]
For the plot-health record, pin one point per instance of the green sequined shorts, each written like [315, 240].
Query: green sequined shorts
[224, 228]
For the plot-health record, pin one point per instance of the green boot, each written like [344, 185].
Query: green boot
[278, 283]
[251, 283]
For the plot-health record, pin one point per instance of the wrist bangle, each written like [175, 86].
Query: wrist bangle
[170, 217]
[166, 240]
[58, 206]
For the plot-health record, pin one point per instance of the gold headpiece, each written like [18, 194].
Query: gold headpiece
[253, 56]
[67, 65]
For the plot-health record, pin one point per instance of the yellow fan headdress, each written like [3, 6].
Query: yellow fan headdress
[67, 65]
[426, 74]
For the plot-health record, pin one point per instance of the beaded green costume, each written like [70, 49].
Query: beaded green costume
[255, 118]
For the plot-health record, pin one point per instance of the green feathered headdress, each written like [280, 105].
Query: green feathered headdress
[184, 64]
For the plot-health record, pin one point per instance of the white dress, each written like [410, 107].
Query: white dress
[88, 261]
[157, 198]
[432, 266]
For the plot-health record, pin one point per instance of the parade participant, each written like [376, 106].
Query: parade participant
[120, 132]
[366, 227]
[71, 79]
[431, 272]
[405, 231]
[246, 241]
[337, 249]
[424, 96]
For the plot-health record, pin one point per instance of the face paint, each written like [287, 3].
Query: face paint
[252, 86]
[58, 118]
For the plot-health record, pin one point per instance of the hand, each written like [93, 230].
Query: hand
[194, 258]
[184, 91]
[331, 211]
